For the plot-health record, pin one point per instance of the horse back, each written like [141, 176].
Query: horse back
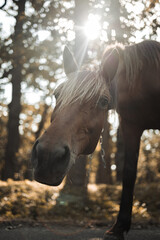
[138, 99]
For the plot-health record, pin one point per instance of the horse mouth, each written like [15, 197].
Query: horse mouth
[50, 167]
[50, 181]
[43, 181]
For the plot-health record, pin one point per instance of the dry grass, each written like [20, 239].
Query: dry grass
[31, 200]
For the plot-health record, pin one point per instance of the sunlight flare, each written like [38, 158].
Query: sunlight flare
[92, 27]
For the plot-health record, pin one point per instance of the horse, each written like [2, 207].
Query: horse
[127, 80]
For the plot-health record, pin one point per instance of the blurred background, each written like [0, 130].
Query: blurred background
[33, 34]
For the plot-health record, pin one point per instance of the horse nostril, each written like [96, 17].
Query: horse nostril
[66, 149]
[60, 159]
[61, 152]
[46, 160]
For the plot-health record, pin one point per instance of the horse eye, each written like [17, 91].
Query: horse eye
[56, 94]
[103, 102]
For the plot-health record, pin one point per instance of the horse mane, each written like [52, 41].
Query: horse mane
[136, 57]
[79, 87]
[140, 56]
[86, 85]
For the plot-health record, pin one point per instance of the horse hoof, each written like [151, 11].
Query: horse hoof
[113, 236]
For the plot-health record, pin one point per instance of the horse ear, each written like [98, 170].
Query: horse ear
[69, 61]
[110, 65]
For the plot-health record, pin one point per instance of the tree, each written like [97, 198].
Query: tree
[80, 19]
[118, 32]
[30, 64]
[77, 175]
[14, 107]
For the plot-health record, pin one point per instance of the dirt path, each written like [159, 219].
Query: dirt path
[33, 231]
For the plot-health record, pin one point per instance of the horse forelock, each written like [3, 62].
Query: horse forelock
[81, 87]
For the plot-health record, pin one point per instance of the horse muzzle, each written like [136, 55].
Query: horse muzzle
[50, 165]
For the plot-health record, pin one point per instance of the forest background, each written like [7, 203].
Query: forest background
[33, 34]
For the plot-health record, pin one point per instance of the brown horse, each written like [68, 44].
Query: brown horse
[128, 80]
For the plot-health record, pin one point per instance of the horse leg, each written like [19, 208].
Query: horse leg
[131, 135]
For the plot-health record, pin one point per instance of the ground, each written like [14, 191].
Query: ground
[31, 211]
[65, 231]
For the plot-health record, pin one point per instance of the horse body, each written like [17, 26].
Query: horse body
[129, 81]
[139, 104]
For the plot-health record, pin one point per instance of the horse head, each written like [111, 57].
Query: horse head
[76, 122]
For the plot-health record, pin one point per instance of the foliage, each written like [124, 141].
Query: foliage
[149, 168]
[31, 200]
[3, 136]
[26, 199]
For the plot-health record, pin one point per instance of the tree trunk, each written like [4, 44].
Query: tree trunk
[80, 19]
[114, 23]
[14, 108]
[78, 172]
[77, 175]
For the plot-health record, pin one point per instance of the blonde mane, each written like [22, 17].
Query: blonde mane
[87, 85]
[81, 87]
